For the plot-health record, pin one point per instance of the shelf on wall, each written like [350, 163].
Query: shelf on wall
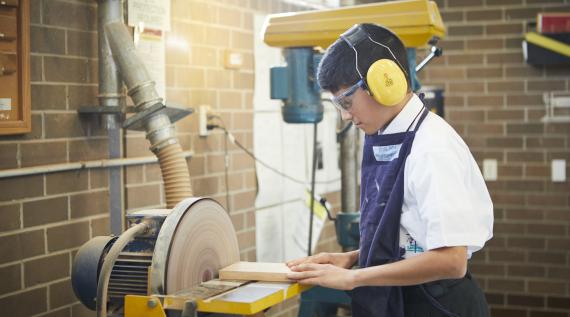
[546, 49]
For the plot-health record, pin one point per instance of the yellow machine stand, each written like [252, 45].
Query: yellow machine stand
[248, 299]
[148, 306]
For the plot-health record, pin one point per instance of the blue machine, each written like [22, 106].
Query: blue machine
[296, 84]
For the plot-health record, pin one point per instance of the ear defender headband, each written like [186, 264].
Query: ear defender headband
[386, 78]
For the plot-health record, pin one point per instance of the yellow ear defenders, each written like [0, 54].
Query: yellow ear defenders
[386, 78]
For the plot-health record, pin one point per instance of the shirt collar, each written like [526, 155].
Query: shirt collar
[403, 120]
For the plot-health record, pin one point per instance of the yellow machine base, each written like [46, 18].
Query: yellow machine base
[248, 299]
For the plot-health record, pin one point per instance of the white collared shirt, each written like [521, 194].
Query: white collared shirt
[446, 202]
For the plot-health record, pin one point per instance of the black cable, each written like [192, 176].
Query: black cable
[323, 202]
[248, 152]
[314, 171]
[236, 142]
[342, 132]
[226, 166]
[313, 174]
[226, 160]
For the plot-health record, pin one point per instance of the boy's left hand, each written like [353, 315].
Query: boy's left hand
[326, 275]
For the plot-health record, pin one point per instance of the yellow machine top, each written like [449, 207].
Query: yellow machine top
[414, 21]
[222, 297]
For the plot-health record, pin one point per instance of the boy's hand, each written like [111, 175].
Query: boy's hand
[343, 260]
[326, 275]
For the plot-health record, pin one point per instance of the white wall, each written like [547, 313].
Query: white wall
[281, 212]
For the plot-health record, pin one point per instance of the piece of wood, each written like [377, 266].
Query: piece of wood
[256, 271]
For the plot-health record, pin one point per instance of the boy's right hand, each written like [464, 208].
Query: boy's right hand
[344, 260]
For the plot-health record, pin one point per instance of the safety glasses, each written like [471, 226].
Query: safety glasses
[343, 101]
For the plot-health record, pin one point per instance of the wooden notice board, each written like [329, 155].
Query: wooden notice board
[15, 108]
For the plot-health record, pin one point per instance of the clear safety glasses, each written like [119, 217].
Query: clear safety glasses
[343, 101]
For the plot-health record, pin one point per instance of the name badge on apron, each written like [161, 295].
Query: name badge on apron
[386, 153]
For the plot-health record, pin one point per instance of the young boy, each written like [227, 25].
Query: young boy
[424, 205]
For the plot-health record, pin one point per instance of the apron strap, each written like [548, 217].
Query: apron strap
[424, 112]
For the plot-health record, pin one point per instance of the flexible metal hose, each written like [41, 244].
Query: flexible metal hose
[175, 174]
[160, 131]
[109, 262]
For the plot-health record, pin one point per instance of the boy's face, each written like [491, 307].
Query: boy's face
[364, 112]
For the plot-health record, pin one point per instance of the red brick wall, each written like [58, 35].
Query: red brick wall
[494, 100]
[45, 218]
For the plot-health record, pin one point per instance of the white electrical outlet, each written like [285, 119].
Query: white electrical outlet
[490, 169]
[203, 120]
[558, 170]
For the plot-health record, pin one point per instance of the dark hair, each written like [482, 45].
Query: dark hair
[337, 67]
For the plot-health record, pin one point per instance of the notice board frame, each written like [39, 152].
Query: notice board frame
[21, 121]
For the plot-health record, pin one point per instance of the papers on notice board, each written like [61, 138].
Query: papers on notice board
[152, 14]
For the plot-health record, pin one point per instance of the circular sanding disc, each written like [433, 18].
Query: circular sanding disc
[201, 240]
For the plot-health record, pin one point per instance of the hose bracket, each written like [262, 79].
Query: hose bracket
[174, 113]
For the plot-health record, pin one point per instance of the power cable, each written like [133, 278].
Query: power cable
[226, 167]
[234, 141]
[313, 174]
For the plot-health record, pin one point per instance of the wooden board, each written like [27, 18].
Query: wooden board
[256, 271]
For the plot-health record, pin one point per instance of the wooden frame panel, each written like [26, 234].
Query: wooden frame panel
[15, 103]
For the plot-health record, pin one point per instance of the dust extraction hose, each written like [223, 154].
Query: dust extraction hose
[175, 174]
[160, 131]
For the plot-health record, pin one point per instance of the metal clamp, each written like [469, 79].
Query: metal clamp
[434, 52]
[174, 113]
[190, 309]
[152, 302]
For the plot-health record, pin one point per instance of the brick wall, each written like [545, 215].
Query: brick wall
[46, 218]
[494, 100]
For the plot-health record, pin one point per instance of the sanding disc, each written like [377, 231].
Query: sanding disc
[200, 239]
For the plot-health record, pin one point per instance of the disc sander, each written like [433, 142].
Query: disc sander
[195, 241]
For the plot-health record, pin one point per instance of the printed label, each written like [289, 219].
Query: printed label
[153, 14]
[5, 104]
[412, 246]
[386, 153]
[409, 245]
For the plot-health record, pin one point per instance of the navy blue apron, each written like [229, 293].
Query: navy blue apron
[381, 199]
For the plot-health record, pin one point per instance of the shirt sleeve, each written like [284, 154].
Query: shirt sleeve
[452, 199]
